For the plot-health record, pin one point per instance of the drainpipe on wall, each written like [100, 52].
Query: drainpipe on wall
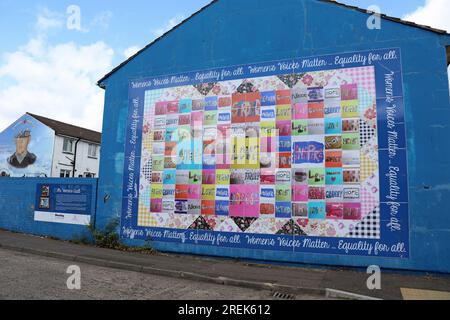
[75, 158]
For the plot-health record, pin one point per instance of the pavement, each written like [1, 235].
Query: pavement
[342, 283]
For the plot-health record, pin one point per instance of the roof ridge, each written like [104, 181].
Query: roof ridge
[65, 123]
[387, 17]
[68, 129]
[99, 82]
[384, 16]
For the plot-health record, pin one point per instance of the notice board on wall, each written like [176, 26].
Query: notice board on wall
[64, 203]
[303, 155]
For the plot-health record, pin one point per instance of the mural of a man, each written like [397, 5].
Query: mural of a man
[22, 158]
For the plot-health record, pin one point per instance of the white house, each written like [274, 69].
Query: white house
[38, 146]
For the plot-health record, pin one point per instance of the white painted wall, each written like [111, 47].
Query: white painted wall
[84, 163]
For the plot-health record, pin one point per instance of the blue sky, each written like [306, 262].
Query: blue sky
[125, 24]
[129, 23]
[34, 78]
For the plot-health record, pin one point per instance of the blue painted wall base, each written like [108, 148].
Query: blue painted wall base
[17, 207]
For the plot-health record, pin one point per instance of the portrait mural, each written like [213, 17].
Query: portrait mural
[26, 149]
[22, 158]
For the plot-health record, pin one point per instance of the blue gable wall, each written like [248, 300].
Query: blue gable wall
[232, 32]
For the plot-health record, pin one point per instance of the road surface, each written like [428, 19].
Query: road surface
[26, 276]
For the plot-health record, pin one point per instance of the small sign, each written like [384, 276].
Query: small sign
[63, 203]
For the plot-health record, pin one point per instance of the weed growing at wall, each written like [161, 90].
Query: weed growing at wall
[108, 238]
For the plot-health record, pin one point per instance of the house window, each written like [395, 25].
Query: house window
[92, 151]
[89, 175]
[68, 145]
[65, 173]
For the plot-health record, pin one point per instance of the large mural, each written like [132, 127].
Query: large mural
[303, 155]
[26, 149]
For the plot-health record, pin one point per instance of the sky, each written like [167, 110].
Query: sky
[50, 61]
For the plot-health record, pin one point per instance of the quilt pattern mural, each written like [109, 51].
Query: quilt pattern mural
[283, 152]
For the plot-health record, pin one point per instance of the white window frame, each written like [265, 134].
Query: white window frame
[69, 141]
[94, 147]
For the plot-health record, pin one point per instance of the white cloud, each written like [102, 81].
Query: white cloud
[131, 51]
[47, 19]
[57, 81]
[102, 20]
[169, 25]
[435, 13]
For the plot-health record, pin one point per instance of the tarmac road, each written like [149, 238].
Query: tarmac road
[26, 276]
